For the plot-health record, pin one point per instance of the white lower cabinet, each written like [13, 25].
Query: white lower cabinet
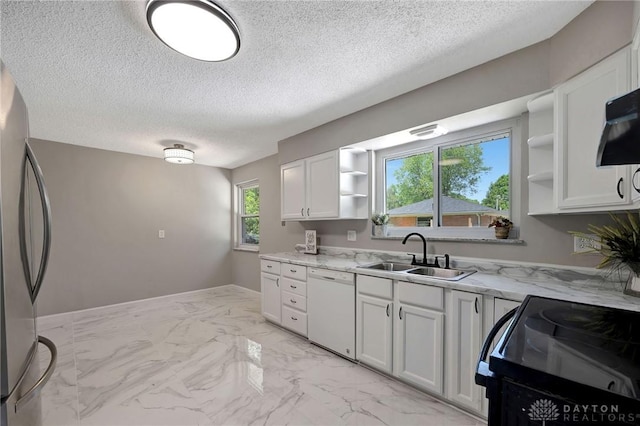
[419, 346]
[464, 341]
[374, 322]
[270, 290]
[374, 325]
[400, 338]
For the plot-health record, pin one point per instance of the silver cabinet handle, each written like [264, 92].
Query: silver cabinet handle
[476, 305]
[307, 211]
[34, 286]
[45, 377]
[293, 270]
[277, 282]
[388, 305]
[269, 266]
[302, 211]
[400, 312]
[293, 286]
[293, 301]
[294, 318]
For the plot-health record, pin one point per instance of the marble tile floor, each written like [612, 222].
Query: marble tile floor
[209, 358]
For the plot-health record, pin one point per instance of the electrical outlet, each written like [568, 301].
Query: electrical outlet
[585, 244]
[351, 235]
[161, 233]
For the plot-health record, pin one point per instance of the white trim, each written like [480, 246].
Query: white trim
[245, 289]
[131, 302]
[238, 215]
[252, 249]
[510, 127]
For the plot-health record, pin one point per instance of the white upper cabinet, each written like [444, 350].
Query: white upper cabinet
[580, 186]
[333, 185]
[322, 186]
[292, 191]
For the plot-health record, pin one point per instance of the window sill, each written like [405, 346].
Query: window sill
[248, 249]
[512, 241]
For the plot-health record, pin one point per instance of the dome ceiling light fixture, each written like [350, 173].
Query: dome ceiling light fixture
[429, 132]
[199, 29]
[178, 154]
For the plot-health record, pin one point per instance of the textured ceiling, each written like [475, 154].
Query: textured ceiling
[94, 74]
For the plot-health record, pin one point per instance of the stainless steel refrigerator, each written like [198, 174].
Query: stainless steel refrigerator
[25, 240]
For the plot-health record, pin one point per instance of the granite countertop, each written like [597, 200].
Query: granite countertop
[508, 280]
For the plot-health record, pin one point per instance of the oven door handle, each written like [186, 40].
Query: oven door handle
[482, 370]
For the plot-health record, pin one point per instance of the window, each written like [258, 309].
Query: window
[457, 182]
[248, 215]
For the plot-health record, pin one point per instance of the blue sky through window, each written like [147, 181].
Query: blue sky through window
[495, 154]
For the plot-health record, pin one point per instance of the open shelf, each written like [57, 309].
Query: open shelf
[541, 177]
[541, 141]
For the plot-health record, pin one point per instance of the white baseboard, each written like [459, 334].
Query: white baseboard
[244, 288]
[131, 302]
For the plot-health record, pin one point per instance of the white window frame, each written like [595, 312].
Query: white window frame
[239, 215]
[511, 126]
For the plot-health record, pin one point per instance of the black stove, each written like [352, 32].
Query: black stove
[563, 363]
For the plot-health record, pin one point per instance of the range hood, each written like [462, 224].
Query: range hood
[620, 141]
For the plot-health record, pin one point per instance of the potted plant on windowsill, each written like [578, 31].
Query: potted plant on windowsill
[380, 221]
[619, 245]
[503, 226]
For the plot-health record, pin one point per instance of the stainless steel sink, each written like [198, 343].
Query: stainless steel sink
[445, 274]
[389, 266]
[427, 271]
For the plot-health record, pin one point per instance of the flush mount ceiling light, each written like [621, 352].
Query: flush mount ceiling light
[198, 28]
[178, 155]
[428, 132]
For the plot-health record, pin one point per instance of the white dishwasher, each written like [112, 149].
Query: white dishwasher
[331, 310]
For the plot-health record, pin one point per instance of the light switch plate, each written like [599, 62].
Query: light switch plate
[161, 233]
[351, 235]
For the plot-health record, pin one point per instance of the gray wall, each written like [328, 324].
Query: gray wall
[107, 209]
[600, 30]
[275, 236]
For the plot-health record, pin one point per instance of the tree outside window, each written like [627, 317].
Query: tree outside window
[473, 185]
[248, 214]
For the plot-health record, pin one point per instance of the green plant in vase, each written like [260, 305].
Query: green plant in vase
[380, 221]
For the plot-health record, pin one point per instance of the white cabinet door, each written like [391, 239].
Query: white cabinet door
[580, 117]
[292, 190]
[501, 307]
[323, 186]
[374, 339]
[271, 304]
[419, 347]
[464, 336]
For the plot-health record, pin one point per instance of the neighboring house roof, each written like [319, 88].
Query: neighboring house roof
[449, 206]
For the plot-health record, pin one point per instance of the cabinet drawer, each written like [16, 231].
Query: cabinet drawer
[294, 286]
[294, 300]
[294, 271]
[421, 295]
[294, 320]
[374, 286]
[270, 266]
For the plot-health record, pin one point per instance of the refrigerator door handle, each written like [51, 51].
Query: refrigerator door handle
[37, 387]
[46, 213]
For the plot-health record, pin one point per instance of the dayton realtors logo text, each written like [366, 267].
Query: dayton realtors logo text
[546, 410]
